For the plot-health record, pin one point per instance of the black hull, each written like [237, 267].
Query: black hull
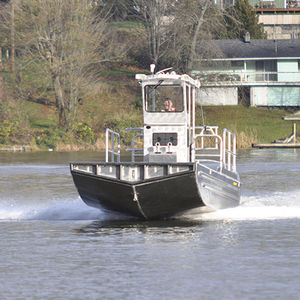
[150, 199]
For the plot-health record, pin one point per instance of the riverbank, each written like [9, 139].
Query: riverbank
[251, 125]
[116, 103]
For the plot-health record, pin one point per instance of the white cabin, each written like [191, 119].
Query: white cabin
[169, 116]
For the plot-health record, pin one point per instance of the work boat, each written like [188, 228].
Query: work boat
[181, 168]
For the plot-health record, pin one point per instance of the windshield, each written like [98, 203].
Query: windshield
[164, 98]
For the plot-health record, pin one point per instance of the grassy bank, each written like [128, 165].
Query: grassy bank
[251, 124]
[115, 102]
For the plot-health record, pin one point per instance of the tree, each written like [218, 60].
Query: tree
[156, 16]
[194, 20]
[4, 30]
[3, 42]
[119, 10]
[70, 42]
[12, 35]
[1, 77]
[240, 19]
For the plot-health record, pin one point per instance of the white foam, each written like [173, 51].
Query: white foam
[251, 213]
[279, 205]
[75, 210]
[56, 210]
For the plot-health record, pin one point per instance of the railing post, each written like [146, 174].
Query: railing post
[134, 151]
[112, 147]
[229, 152]
[119, 148]
[106, 144]
[223, 149]
[234, 154]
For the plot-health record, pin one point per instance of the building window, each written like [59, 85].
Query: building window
[292, 3]
[267, 4]
[237, 64]
[266, 70]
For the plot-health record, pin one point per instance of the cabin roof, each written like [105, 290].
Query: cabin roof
[235, 49]
[154, 78]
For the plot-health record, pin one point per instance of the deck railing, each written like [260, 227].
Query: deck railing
[242, 77]
[136, 152]
[214, 148]
[271, 4]
[112, 145]
[229, 150]
[208, 145]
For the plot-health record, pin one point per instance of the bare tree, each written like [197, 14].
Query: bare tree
[1, 76]
[194, 20]
[4, 29]
[156, 17]
[12, 35]
[3, 41]
[70, 41]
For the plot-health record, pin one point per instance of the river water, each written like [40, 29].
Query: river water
[55, 247]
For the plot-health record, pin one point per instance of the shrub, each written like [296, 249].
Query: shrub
[84, 132]
[7, 129]
[118, 123]
[48, 138]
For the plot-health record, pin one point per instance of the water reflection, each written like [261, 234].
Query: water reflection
[195, 233]
[161, 226]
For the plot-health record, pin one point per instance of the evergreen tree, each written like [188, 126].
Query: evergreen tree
[240, 19]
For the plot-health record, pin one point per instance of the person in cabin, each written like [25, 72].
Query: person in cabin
[168, 105]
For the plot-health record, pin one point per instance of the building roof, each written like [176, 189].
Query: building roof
[234, 49]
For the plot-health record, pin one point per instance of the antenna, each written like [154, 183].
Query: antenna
[152, 68]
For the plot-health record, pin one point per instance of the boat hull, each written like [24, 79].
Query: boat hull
[150, 199]
[155, 191]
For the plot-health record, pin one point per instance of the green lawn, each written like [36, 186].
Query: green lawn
[263, 124]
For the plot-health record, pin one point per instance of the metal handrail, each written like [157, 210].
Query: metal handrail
[219, 156]
[229, 150]
[226, 157]
[212, 130]
[112, 134]
[247, 76]
[134, 151]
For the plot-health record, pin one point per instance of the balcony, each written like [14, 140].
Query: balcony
[292, 4]
[242, 78]
[269, 6]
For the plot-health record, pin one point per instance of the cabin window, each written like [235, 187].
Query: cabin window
[187, 97]
[164, 98]
[164, 139]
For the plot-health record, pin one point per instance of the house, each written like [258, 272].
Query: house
[268, 70]
[281, 18]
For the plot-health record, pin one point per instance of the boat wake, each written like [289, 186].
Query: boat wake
[55, 210]
[280, 205]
